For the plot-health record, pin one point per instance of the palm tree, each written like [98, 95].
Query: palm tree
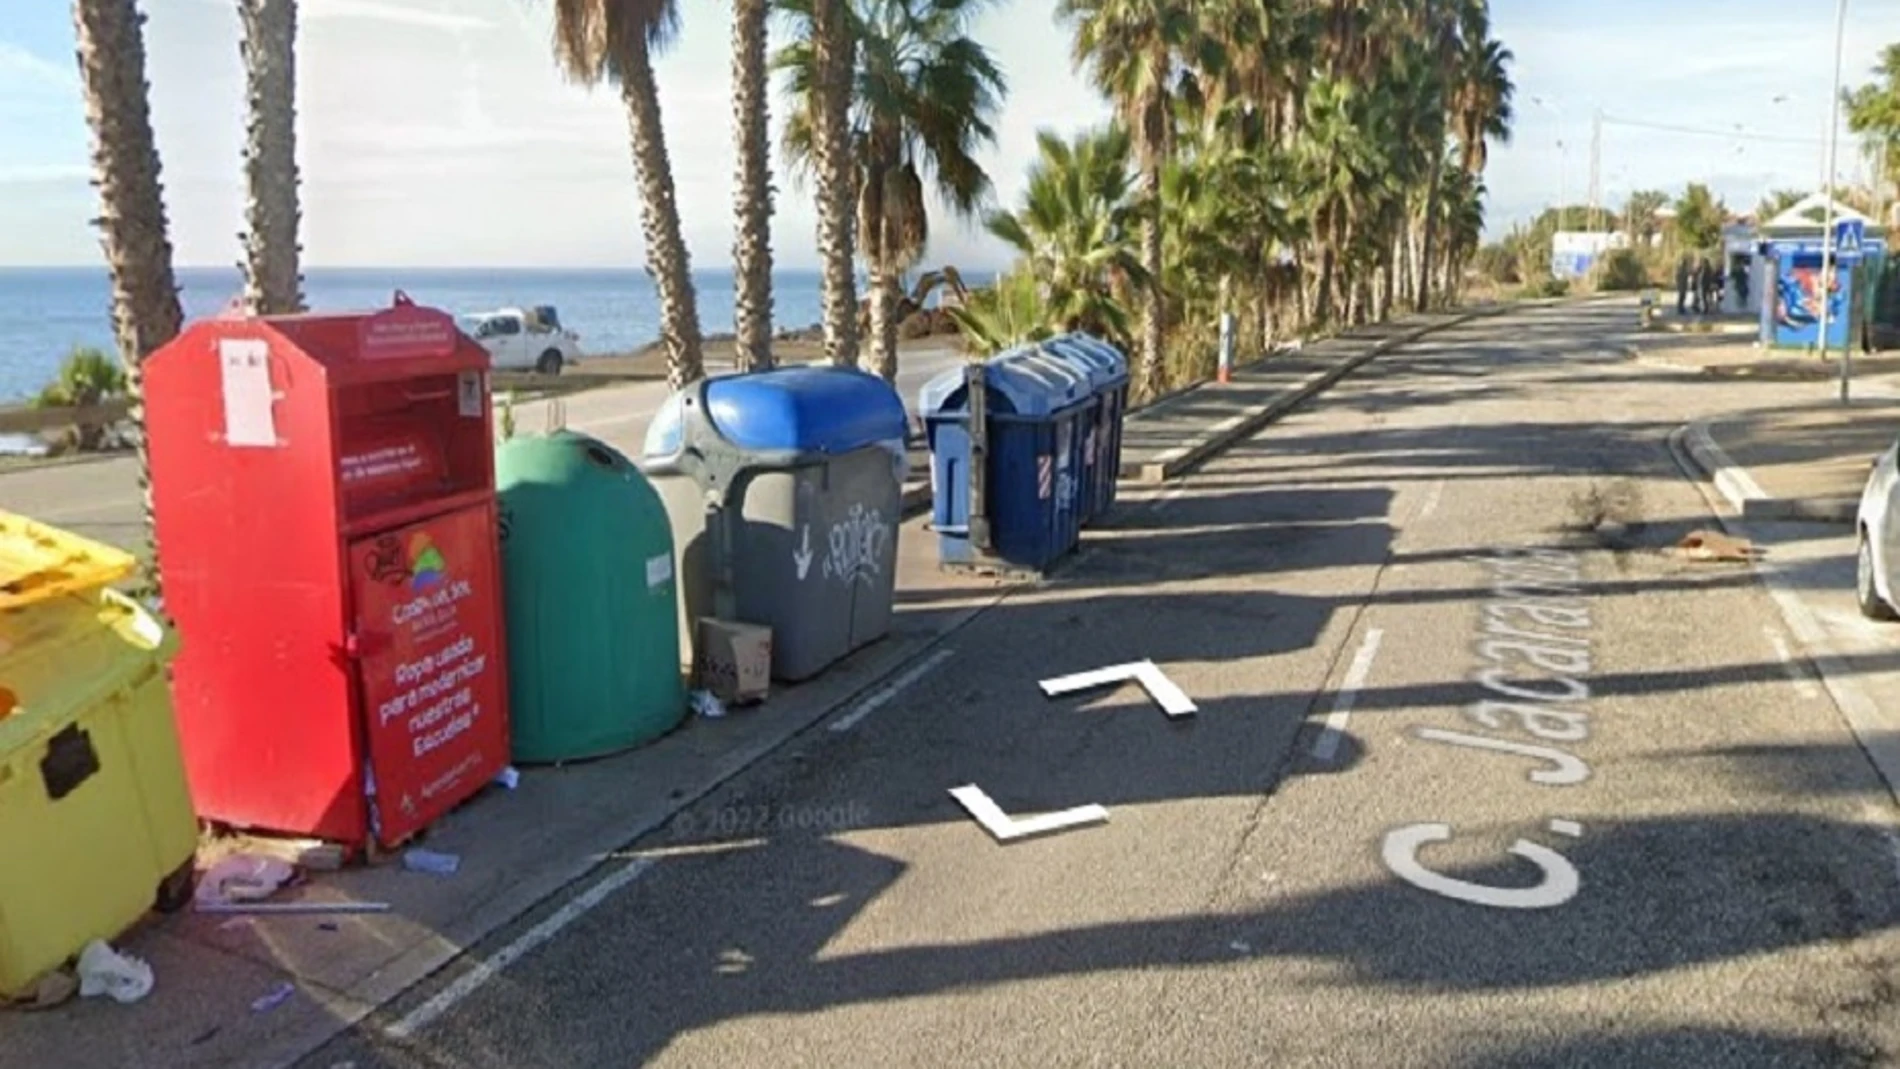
[1873, 112]
[125, 170]
[616, 40]
[1076, 230]
[1135, 50]
[925, 93]
[1778, 201]
[818, 66]
[272, 283]
[752, 189]
[1639, 213]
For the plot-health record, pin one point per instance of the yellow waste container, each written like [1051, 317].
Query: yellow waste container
[96, 824]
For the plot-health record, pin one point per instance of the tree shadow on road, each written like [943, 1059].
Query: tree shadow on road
[1656, 895]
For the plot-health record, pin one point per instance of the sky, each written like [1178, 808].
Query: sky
[439, 133]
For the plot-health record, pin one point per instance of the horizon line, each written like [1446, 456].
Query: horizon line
[640, 268]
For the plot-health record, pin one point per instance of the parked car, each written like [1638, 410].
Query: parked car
[525, 339]
[1878, 524]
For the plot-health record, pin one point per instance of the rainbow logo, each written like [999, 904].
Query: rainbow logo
[426, 566]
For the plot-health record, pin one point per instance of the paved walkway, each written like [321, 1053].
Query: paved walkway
[1805, 461]
[1183, 429]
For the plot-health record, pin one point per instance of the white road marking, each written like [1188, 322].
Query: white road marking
[471, 981]
[1431, 500]
[1172, 699]
[890, 690]
[1802, 684]
[1327, 745]
[1007, 828]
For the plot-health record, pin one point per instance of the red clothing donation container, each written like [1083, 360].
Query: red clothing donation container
[325, 496]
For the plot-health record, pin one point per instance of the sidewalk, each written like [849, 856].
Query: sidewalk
[1739, 356]
[1800, 462]
[561, 825]
[1181, 430]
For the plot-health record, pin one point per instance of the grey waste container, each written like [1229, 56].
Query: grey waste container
[784, 490]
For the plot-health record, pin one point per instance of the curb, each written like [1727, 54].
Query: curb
[1746, 496]
[1223, 434]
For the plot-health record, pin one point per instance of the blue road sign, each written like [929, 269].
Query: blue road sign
[1849, 234]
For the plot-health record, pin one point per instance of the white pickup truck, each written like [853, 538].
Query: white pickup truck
[524, 339]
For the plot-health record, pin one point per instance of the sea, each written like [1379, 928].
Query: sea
[45, 312]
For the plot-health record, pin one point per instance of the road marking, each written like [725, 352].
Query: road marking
[890, 690]
[1172, 699]
[1327, 744]
[1431, 500]
[471, 981]
[1802, 684]
[1007, 828]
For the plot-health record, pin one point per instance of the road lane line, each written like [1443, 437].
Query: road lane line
[1431, 500]
[1327, 745]
[469, 982]
[1802, 684]
[890, 690]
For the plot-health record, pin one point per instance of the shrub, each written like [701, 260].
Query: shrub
[1622, 270]
[86, 377]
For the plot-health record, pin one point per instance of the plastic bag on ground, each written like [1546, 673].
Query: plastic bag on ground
[244, 878]
[119, 977]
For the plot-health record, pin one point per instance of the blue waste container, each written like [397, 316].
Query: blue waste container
[1029, 514]
[1108, 372]
[784, 489]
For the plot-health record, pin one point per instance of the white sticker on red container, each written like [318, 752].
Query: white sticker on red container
[659, 569]
[244, 374]
[468, 394]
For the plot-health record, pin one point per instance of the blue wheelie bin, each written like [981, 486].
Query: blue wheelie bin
[1009, 499]
[1107, 369]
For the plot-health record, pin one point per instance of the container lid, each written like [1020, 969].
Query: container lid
[1105, 365]
[828, 410]
[1027, 382]
[38, 562]
[1069, 380]
[68, 654]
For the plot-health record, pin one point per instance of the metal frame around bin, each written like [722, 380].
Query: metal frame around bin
[724, 471]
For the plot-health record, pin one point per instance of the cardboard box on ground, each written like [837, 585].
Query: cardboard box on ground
[735, 660]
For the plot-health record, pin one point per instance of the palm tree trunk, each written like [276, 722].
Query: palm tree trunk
[1402, 275]
[1148, 384]
[834, 54]
[883, 280]
[667, 258]
[125, 170]
[1388, 288]
[272, 283]
[752, 237]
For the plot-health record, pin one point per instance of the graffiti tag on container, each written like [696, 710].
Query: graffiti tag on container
[857, 546]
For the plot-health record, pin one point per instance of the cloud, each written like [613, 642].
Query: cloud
[20, 67]
[385, 12]
[49, 173]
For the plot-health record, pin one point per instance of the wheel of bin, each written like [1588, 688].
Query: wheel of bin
[550, 362]
[174, 891]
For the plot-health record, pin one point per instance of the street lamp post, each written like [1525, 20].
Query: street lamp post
[1827, 191]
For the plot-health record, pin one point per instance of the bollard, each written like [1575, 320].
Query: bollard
[1226, 347]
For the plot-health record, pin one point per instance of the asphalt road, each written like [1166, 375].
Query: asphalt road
[100, 498]
[1679, 857]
